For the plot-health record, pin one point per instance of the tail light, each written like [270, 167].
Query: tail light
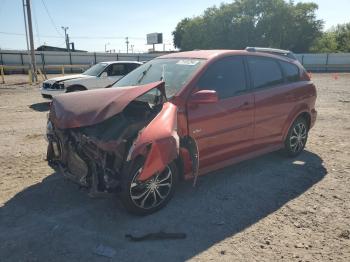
[306, 76]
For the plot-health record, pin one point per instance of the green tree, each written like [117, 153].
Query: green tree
[327, 43]
[273, 23]
[179, 32]
[337, 39]
[342, 36]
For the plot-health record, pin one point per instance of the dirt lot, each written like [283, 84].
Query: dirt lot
[267, 209]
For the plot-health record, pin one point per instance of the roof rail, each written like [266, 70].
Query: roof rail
[274, 51]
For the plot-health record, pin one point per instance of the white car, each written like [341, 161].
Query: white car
[100, 75]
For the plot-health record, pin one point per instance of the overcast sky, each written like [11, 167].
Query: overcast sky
[94, 24]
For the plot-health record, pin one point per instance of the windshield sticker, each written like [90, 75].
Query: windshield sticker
[187, 62]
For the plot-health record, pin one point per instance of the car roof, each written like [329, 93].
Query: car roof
[202, 54]
[211, 54]
[121, 62]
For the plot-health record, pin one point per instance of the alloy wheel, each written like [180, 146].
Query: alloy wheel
[152, 192]
[298, 137]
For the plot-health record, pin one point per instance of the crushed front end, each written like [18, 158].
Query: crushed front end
[94, 156]
[92, 134]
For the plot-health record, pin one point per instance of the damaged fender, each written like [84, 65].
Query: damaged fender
[158, 142]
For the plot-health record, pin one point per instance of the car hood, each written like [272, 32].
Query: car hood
[87, 108]
[65, 78]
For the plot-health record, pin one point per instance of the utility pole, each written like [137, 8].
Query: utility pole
[25, 25]
[31, 42]
[65, 28]
[127, 44]
[106, 46]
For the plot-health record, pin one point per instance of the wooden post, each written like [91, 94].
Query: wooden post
[30, 76]
[41, 74]
[2, 74]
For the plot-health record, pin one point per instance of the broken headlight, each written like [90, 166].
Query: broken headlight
[57, 86]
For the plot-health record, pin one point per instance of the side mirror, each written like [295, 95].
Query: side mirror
[204, 97]
[104, 74]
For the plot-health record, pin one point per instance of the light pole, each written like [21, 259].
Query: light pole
[127, 44]
[106, 46]
[65, 28]
[132, 48]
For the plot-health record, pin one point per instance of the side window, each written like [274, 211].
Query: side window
[264, 71]
[116, 70]
[131, 67]
[291, 72]
[226, 77]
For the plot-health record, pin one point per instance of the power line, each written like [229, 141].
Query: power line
[2, 6]
[49, 15]
[107, 37]
[79, 37]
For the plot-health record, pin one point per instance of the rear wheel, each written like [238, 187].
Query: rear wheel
[146, 197]
[297, 137]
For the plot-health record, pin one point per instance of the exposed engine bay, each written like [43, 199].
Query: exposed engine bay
[94, 156]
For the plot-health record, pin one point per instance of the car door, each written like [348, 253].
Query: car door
[116, 71]
[223, 129]
[272, 100]
[110, 75]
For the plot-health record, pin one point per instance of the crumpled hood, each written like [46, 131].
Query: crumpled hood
[65, 78]
[87, 108]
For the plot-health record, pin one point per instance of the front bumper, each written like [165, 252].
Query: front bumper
[49, 93]
[67, 161]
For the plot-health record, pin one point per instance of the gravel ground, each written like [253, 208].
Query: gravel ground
[268, 209]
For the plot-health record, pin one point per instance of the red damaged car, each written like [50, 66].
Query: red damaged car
[179, 116]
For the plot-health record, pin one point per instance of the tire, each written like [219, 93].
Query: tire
[138, 197]
[296, 138]
[71, 89]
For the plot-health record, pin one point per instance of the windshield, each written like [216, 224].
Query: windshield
[175, 72]
[96, 69]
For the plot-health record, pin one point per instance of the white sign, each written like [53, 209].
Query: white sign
[154, 38]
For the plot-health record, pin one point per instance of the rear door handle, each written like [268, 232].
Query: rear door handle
[244, 105]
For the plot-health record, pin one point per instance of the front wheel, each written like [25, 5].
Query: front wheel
[71, 89]
[146, 197]
[297, 137]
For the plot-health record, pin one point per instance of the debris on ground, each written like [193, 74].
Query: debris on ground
[345, 234]
[104, 251]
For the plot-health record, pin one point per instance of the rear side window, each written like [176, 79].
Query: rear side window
[291, 72]
[226, 77]
[265, 72]
[117, 70]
